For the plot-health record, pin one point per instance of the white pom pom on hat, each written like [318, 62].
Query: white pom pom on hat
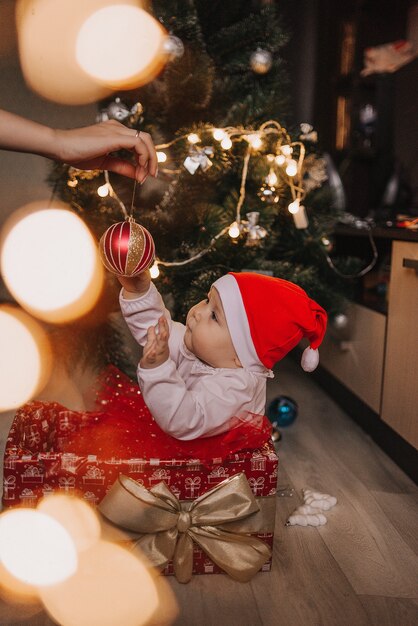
[267, 317]
[310, 359]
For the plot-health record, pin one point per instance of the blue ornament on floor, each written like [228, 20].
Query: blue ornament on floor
[282, 411]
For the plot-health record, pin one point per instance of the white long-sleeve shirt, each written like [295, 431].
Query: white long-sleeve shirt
[187, 397]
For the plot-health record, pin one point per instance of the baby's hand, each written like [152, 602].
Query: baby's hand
[156, 349]
[135, 286]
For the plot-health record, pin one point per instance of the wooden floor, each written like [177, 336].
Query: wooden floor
[360, 569]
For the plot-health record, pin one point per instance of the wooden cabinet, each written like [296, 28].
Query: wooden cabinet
[355, 354]
[400, 382]
[376, 356]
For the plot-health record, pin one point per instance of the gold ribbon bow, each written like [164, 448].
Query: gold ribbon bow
[169, 527]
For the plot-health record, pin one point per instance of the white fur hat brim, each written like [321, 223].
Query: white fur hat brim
[237, 321]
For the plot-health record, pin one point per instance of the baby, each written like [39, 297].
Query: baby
[202, 378]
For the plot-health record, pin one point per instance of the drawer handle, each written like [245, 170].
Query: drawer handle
[410, 264]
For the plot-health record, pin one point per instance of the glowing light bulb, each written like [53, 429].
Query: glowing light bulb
[226, 143]
[294, 206]
[292, 168]
[35, 548]
[161, 157]
[280, 159]
[103, 190]
[193, 138]
[72, 182]
[287, 150]
[270, 158]
[218, 134]
[234, 230]
[254, 140]
[154, 271]
[272, 179]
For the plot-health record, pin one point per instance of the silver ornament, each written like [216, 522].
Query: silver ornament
[254, 231]
[340, 321]
[173, 47]
[119, 111]
[199, 158]
[261, 61]
[308, 133]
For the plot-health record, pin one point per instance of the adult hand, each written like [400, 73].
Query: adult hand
[90, 147]
[85, 148]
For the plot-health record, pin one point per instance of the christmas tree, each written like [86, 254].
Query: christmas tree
[241, 186]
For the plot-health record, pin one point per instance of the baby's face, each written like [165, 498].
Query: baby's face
[207, 334]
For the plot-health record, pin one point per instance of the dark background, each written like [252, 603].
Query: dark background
[318, 81]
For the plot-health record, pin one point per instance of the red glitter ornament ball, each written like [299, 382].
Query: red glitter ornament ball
[126, 248]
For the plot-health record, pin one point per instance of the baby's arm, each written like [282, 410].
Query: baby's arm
[142, 305]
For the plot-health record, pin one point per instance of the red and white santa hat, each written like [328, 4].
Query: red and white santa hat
[267, 317]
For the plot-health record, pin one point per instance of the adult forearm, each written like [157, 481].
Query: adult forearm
[23, 135]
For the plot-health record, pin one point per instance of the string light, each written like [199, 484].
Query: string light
[226, 143]
[226, 136]
[234, 230]
[292, 168]
[193, 138]
[272, 179]
[254, 140]
[290, 177]
[154, 270]
[218, 134]
[103, 190]
[294, 206]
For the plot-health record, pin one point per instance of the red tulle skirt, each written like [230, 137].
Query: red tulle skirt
[123, 427]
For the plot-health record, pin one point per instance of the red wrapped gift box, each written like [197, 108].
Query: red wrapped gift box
[53, 449]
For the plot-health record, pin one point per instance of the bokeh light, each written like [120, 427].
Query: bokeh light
[135, 54]
[76, 516]
[47, 32]
[111, 587]
[14, 590]
[49, 262]
[35, 548]
[25, 357]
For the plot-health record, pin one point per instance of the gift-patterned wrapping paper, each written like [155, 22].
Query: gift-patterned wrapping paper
[38, 460]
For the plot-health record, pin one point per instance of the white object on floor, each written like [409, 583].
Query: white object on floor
[317, 500]
[305, 509]
[298, 519]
